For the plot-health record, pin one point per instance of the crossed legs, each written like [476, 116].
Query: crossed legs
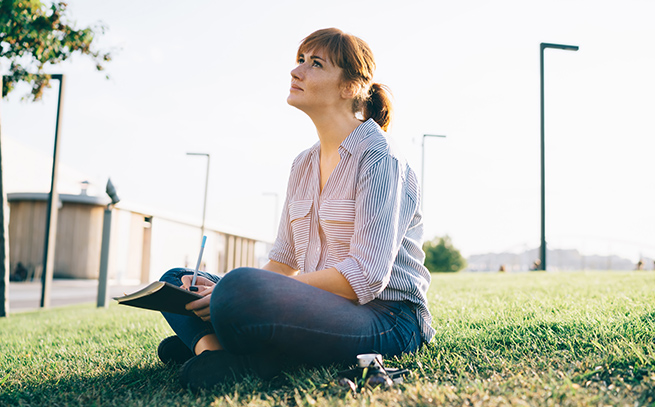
[278, 319]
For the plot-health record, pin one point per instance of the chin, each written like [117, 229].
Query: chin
[292, 102]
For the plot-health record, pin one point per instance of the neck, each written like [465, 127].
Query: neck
[333, 129]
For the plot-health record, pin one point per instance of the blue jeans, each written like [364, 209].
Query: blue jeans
[256, 311]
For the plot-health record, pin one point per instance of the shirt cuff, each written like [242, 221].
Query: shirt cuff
[358, 282]
[283, 255]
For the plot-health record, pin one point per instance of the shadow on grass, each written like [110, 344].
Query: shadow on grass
[118, 387]
[157, 386]
[133, 386]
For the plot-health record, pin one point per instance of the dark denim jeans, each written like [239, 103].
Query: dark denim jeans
[255, 311]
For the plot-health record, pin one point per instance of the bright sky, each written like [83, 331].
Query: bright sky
[212, 77]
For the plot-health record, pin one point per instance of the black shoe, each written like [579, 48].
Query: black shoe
[173, 351]
[213, 367]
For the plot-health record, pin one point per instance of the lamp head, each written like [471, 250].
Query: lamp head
[111, 191]
[545, 45]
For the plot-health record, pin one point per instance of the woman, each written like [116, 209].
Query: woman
[346, 272]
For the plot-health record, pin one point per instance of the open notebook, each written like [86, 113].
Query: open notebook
[161, 296]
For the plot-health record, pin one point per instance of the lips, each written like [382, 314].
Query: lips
[295, 87]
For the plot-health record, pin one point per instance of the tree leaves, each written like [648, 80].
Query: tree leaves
[34, 35]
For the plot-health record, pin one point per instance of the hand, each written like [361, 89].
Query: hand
[201, 282]
[329, 280]
[200, 307]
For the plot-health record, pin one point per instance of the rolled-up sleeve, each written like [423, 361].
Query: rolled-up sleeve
[378, 230]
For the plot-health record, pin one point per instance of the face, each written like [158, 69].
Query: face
[316, 83]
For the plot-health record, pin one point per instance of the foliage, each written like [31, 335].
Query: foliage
[34, 35]
[570, 339]
[442, 256]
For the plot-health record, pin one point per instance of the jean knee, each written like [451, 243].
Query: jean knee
[238, 283]
[242, 275]
[234, 302]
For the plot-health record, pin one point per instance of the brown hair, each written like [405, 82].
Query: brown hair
[355, 58]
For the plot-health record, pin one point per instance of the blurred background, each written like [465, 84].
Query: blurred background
[212, 77]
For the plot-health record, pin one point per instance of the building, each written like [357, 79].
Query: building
[143, 244]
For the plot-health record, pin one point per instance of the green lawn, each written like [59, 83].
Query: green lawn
[520, 339]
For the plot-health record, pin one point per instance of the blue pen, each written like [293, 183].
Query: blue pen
[195, 272]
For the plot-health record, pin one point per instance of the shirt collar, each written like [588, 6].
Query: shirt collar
[360, 133]
[363, 130]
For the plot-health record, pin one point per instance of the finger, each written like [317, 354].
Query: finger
[186, 281]
[197, 304]
[201, 315]
[203, 312]
[204, 281]
[207, 291]
[202, 287]
[201, 280]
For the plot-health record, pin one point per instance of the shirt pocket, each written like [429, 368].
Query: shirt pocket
[299, 219]
[337, 219]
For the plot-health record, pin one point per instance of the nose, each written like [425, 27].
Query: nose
[296, 72]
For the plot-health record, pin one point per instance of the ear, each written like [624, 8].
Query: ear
[350, 90]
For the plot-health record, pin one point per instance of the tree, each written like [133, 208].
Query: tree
[442, 256]
[33, 36]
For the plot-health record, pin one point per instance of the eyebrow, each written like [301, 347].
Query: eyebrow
[312, 57]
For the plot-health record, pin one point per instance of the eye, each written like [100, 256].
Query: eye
[300, 60]
[316, 63]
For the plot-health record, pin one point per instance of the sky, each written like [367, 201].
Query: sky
[213, 77]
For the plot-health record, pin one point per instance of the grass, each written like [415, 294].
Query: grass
[567, 339]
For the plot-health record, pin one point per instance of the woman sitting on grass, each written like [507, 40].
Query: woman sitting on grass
[346, 272]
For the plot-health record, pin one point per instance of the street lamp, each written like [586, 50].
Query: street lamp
[423, 164]
[204, 208]
[53, 207]
[103, 275]
[542, 47]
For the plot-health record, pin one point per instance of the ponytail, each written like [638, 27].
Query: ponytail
[378, 105]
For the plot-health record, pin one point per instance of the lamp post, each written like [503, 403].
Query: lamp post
[204, 207]
[52, 208]
[103, 275]
[4, 238]
[423, 164]
[542, 47]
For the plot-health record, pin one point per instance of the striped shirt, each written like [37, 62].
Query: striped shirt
[366, 222]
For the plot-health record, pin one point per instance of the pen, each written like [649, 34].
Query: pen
[195, 272]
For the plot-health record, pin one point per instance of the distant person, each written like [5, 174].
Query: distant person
[502, 268]
[346, 272]
[536, 266]
[640, 265]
